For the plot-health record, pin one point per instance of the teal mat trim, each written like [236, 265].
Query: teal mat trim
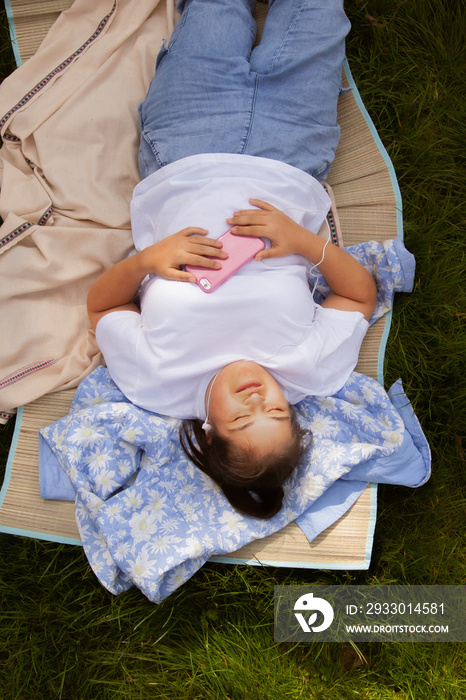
[6, 482]
[323, 565]
[40, 536]
[14, 40]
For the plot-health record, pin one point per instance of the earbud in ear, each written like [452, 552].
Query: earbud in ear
[206, 427]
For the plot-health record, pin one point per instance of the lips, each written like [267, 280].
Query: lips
[248, 385]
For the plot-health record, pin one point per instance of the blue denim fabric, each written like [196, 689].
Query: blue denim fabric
[212, 92]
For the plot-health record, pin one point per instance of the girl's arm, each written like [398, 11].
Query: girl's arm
[353, 287]
[116, 288]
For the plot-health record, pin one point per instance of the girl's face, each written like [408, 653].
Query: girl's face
[247, 407]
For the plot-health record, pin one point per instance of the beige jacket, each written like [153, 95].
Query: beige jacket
[69, 123]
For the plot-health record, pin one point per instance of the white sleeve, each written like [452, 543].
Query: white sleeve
[341, 334]
[117, 335]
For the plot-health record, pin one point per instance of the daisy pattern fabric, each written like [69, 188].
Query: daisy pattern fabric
[148, 517]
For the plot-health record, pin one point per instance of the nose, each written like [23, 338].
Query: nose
[254, 400]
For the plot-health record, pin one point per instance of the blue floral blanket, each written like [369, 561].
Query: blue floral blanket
[148, 517]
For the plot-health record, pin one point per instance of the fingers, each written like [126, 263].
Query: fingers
[254, 219]
[248, 216]
[175, 273]
[263, 208]
[192, 230]
[202, 261]
[206, 244]
[257, 231]
[204, 249]
[181, 276]
[269, 253]
[262, 205]
[202, 246]
[250, 223]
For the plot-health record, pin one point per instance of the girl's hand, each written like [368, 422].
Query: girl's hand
[187, 247]
[114, 290]
[285, 235]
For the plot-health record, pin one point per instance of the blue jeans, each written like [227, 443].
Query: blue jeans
[213, 92]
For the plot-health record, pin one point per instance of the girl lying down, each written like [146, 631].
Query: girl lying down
[241, 138]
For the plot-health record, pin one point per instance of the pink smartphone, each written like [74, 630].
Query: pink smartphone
[240, 249]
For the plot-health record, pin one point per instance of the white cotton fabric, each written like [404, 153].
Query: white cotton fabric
[164, 358]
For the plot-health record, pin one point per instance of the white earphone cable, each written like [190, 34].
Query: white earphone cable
[316, 211]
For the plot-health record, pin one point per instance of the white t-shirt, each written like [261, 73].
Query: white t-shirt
[164, 358]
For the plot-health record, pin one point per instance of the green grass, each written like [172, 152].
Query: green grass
[63, 636]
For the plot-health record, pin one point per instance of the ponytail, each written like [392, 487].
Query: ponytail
[261, 503]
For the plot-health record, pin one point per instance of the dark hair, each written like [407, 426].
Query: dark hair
[253, 485]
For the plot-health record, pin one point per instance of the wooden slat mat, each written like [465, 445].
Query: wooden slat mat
[369, 208]
[30, 21]
[23, 511]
